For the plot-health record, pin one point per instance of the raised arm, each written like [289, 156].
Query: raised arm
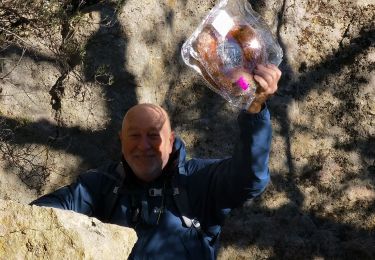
[221, 184]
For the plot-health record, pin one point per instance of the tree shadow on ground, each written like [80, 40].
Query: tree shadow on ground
[290, 231]
[103, 64]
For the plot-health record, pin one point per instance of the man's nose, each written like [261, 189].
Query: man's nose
[144, 143]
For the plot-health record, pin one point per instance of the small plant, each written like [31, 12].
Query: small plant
[103, 75]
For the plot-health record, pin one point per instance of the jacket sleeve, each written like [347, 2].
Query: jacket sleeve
[214, 185]
[82, 196]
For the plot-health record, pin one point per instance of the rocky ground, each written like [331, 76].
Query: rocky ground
[63, 92]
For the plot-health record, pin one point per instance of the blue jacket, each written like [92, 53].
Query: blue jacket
[213, 188]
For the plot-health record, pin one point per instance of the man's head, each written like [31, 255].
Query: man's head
[146, 140]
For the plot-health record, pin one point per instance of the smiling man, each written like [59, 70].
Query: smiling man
[147, 140]
[176, 206]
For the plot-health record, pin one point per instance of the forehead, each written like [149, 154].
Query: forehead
[145, 117]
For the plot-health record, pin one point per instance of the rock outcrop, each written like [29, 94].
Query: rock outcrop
[32, 232]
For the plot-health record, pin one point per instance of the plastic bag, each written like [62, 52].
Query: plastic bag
[226, 47]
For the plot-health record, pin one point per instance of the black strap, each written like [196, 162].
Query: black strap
[182, 202]
[112, 195]
[110, 204]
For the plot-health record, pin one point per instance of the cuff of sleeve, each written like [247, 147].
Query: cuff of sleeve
[263, 114]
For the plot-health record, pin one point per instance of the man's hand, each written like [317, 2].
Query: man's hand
[267, 77]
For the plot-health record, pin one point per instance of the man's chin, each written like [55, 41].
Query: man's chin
[147, 176]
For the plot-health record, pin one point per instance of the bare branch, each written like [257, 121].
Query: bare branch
[14, 34]
[18, 62]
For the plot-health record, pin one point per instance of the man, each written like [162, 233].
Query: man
[177, 207]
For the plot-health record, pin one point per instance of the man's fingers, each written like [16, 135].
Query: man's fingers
[267, 77]
[263, 84]
[269, 73]
[275, 70]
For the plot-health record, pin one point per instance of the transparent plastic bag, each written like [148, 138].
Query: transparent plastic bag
[226, 47]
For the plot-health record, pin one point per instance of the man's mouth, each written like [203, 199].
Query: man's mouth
[147, 156]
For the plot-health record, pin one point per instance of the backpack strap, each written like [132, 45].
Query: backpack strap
[111, 192]
[181, 200]
[113, 187]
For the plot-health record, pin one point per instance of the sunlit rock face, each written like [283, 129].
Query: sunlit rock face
[31, 232]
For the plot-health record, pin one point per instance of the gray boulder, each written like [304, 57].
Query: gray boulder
[32, 232]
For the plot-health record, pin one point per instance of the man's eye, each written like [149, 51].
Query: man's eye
[154, 135]
[134, 135]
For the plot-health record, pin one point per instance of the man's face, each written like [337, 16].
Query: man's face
[147, 140]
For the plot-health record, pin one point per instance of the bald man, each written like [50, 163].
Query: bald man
[177, 207]
[147, 140]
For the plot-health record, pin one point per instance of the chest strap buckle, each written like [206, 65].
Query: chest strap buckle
[153, 192]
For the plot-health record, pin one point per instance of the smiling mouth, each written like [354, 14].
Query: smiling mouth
[144, 156]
